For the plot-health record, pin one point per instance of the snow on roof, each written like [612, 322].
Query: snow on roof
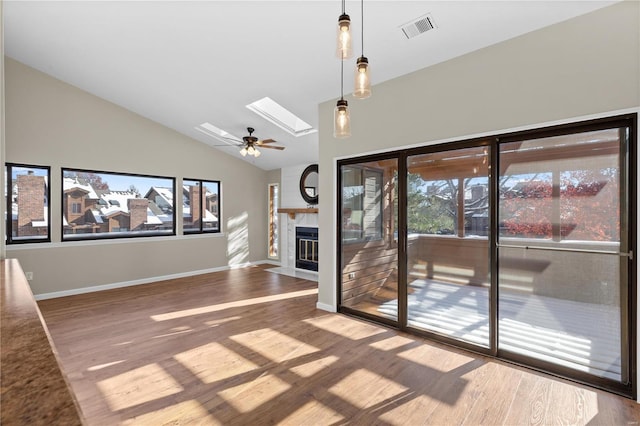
[70, 183]
[209, 217]
[152, 219]
[117, 201]
[165, 193]
[97, 216]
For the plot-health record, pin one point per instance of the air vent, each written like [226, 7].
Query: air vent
[418, 26]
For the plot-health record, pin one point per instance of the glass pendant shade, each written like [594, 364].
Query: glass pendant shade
[250, 150]
[344, 50]
[243, 152]
[341, 123]
[363, 79]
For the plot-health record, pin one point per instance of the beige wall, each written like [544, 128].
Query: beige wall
[49, 122]
[585, 66]
[2, 182]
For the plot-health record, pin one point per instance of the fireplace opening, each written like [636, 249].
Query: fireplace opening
[307, 248]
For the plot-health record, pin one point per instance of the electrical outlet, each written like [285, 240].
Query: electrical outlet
[352, 275]
[29, 275]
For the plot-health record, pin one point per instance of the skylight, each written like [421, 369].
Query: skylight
[215, 132]
[271, 111]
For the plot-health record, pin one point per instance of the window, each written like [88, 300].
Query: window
[200, 206]
[273, 220]
[361, 203]
[112, 205]
[448, 193]
[28, 213]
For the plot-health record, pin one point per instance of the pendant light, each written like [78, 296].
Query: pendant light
[344, 50]
[341, 119]
[363, 77]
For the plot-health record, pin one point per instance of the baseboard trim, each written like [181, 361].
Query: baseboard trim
[325, 307]
[92, 289]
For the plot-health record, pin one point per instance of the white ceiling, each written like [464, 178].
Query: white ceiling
[184, 63]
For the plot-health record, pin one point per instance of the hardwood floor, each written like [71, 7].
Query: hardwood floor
[248, 347]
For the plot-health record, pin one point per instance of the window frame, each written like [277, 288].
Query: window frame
[113, 235]
[9, 239]
[363, 169]
[202, 230]
[273, 221]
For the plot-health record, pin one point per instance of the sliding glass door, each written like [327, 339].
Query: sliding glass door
[447, 243]
[369, 241]
[517, 246]
[563, 251]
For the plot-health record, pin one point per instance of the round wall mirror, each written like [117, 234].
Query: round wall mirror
[309, 184]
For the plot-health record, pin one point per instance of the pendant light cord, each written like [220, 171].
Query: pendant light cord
[362, 25]
[343, 4]
[341, 79]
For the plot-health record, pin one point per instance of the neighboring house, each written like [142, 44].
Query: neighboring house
[89, 210]
[191, 206]
[29, 206]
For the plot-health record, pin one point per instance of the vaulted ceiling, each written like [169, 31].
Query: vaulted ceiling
[183, 63]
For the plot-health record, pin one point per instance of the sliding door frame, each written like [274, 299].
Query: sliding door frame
[339, 266]
[628, 265]
[489, 143]
[628, 192]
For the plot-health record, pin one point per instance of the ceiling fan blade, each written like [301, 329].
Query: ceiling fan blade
[262, 142]
[272, 147]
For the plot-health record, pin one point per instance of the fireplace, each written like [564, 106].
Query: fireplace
[307, 248]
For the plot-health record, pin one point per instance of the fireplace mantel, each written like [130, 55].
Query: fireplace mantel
[293, 211]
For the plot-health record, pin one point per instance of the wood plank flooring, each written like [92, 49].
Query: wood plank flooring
[248, 347]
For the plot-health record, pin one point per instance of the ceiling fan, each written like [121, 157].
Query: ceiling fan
[251, 143]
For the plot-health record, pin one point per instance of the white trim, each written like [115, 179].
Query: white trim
[267, 262]
[92, 289]
[325, 307]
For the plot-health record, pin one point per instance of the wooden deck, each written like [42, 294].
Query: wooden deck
[248, 347]
[555, 330]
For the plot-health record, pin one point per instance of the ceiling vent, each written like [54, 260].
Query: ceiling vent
[418, 26]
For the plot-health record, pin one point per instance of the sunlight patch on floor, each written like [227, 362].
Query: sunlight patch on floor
[363, 388]
[439, 359]
[309, 411]
[310, 368]
[234, 304]
[138, 386]
[217, 322]
[101, 366]
[345, 327]
[213, 362]
[273, 345]
[249, 396]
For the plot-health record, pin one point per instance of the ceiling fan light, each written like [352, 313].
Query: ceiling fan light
[243, 152]
[363, 79]
[341, 123]
[256, 153]
[250, 150]
[344, 50]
